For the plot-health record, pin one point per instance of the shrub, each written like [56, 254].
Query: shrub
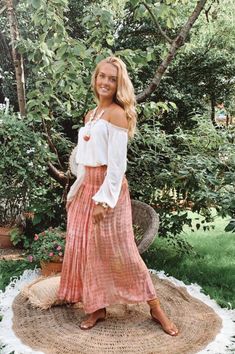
[25, 186]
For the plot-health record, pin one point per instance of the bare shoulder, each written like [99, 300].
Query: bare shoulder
[118, 117]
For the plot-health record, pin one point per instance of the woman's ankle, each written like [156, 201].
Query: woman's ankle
[154, 303]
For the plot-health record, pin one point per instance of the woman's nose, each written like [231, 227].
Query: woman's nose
[105, 80]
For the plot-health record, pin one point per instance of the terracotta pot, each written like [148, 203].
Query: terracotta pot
[5, 239]
[49, 268]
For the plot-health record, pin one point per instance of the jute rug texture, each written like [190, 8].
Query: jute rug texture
[127, 329]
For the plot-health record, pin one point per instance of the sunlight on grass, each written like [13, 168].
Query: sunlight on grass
[211, 264]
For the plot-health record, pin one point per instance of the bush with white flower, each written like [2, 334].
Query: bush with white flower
[47, 246]
[23, 168]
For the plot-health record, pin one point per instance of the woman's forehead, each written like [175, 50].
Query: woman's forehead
[108, 69]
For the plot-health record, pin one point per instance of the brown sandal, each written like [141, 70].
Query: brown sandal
[83, 325]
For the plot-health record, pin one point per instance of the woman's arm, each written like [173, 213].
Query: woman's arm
[110, 189]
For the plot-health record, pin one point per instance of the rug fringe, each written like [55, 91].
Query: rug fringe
[224, 341]
[9, 342]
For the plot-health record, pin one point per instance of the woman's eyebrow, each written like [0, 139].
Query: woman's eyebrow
[113, 76]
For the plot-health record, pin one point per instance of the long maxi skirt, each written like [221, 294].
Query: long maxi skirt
[102, 265]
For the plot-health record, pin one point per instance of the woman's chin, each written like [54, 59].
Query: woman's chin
[105, 94]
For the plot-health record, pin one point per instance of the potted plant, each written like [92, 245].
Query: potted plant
[11, 222]
[47, 248]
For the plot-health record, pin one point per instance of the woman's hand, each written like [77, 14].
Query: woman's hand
[99, 213]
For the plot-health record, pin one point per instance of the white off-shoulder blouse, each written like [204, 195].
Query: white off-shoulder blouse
[107, 146]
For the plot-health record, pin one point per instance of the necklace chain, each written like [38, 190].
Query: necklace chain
[91, 122]
[93, 118]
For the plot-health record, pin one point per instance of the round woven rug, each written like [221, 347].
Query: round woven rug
[127, 329]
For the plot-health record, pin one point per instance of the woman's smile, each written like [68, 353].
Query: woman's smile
[106, 80]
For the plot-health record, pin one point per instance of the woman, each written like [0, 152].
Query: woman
[102, 265]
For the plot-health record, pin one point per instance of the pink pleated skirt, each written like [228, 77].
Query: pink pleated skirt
[102, 265]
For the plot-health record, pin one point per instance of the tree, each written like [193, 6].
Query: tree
[17, 57]
[59, 57]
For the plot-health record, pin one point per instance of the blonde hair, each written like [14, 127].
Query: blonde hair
[125, 96]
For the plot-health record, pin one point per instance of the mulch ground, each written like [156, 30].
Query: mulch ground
[11, 254]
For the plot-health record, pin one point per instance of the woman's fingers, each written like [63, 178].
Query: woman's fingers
[98, 215]
[98, 218]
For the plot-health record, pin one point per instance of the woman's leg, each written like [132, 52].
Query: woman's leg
[159, 316]
[93, 318]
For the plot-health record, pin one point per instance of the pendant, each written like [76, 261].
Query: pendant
[86, 137]
[92, 121]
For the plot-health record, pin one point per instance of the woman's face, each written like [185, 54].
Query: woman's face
[106, 81]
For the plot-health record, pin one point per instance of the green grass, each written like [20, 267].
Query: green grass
[13, 268]
[211, 264]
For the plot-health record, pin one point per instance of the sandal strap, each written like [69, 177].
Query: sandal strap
[154, 303]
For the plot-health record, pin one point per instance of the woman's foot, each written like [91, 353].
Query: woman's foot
[159, 316]
[93, 318]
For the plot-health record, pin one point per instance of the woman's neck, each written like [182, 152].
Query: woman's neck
[104, 103]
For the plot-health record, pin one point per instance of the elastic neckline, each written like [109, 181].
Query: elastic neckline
[113, 125]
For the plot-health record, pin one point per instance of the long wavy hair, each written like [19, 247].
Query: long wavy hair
[125, 96]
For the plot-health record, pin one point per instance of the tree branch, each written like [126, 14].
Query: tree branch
[58, 175]
[61, 177]
[209, 8]
[176, 44]
[50, 142]
[207, 13]
[168, 39]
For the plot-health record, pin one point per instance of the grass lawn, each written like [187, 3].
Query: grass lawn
[211, 264]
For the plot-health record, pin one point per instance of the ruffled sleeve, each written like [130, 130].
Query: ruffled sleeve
[110, 189]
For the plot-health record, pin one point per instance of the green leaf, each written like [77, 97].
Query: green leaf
[62, 49]
[2, 9]
[231, 226]
[134, 2]
[110, 40]
[37, 219]
[36, 3]
[59, 66]
[173, 105]
[170, 22]
[163, 106]
[80, 50]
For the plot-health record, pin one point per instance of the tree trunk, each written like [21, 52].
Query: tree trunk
[213, 103]
[176, 44]
[17, 58]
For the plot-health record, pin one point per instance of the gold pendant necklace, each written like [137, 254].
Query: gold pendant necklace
[91, 123]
